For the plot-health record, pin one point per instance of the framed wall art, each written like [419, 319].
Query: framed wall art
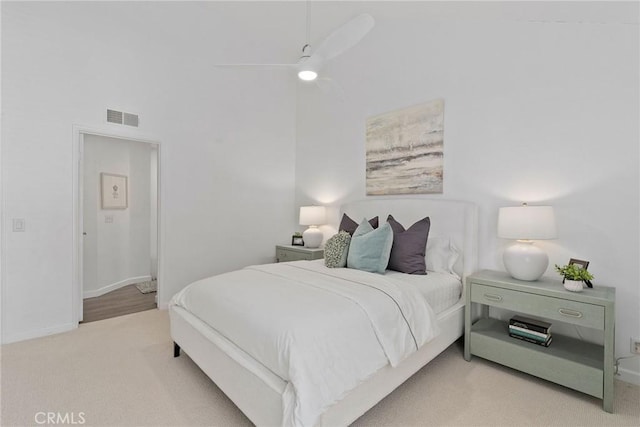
[581, 263]
[114, 191]
[404, 150]
[297, 240]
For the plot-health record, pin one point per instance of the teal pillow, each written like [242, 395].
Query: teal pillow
[336, 250]
[370, 249]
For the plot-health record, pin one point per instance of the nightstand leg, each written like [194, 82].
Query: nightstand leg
[467, 325]
[176, 350]
[609, 362]
[607, 403]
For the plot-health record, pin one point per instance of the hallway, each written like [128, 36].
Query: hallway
[125, 300]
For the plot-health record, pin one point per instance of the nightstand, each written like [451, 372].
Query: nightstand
[573, 363]
[296, 253]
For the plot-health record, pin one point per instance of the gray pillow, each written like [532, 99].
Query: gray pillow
[369, 249]
[409, 246]
[336, 250]
[349, 225]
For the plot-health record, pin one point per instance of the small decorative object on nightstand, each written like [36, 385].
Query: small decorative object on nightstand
[297, 240]
[286, 253]
[573, 363]
[574, 275]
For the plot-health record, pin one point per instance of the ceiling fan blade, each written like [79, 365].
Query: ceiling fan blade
[345, 37]
[255, 65]
[331, 87]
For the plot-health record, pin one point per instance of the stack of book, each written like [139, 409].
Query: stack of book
[531, 330]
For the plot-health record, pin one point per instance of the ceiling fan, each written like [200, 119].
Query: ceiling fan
[336, 43]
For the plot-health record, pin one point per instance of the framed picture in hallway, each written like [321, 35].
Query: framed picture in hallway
[114, 191]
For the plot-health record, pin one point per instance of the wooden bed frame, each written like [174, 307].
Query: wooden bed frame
[261, 401]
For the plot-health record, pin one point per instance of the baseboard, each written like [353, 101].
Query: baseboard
[27, 335]
[628, 376]
[112, 287]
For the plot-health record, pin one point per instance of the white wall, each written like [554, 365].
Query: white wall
[153, 211]
[227, 138]
[541, 105]
[117, 246]
[139, 210]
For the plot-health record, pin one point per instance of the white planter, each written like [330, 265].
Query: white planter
[573, 285]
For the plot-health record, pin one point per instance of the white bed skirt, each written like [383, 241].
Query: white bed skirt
[260, 398]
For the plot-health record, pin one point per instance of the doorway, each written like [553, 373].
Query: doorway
[117, 223]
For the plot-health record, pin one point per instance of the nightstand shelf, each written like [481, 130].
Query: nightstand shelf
[573, 363]
[285, 253]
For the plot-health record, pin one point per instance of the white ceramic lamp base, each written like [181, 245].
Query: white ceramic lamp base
[312, 237]
[525, 261]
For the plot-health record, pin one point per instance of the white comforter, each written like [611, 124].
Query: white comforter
[321, 330]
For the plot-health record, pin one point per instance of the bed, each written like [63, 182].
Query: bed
[269, 388]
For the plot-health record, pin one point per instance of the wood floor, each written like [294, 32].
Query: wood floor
[125, 300]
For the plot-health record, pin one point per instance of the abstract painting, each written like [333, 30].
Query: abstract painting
[404, 150]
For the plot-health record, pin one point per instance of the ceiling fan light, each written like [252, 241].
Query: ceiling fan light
[307, 75]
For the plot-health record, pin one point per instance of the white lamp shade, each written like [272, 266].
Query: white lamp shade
[527, 223]
[312, 215]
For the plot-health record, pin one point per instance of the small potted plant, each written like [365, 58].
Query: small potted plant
[574, 276]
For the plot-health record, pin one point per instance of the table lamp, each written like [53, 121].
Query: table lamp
[313, 216]
[523, 260]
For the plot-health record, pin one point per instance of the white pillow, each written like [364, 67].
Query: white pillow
[441, 255]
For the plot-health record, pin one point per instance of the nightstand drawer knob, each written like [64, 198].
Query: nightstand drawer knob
[492, 297]
[570, 313]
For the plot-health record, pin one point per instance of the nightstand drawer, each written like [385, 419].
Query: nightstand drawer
[577, 313]
[284, 255]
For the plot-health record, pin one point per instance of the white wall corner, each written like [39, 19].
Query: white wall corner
[628, 376]
[37, 333]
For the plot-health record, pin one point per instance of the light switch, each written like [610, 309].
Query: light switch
[108, 219]
[18, 224]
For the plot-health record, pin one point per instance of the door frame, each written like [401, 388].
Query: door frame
[109, 131]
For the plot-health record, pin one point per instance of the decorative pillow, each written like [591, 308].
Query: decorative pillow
[441, 256]
[349, 225]
[369, 249]
[336, 250]
[409, 246]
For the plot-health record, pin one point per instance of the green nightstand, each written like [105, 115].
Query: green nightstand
[573, 363]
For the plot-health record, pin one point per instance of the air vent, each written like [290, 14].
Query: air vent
[130, 119]
[114, 116]
[122, 118]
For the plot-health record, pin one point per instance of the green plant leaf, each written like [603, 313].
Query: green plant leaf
[574, 272]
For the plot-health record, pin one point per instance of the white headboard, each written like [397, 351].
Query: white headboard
[449, 218]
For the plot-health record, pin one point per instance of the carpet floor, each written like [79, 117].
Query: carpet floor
[121, 372]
